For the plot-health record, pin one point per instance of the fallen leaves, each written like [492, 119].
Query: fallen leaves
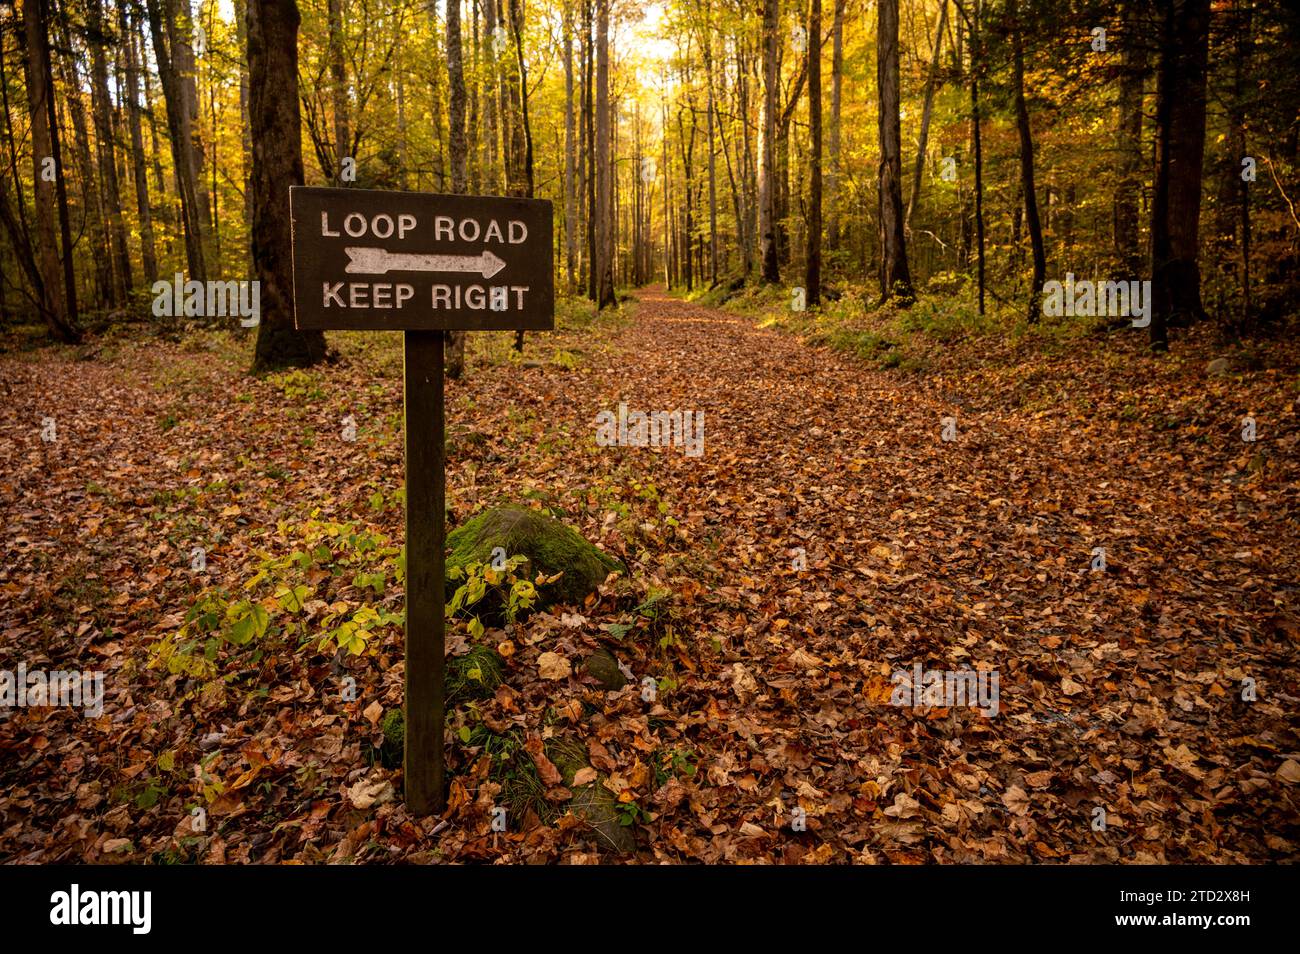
[553, 666]
[1123, 689]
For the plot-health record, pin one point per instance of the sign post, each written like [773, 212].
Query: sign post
[422, 264]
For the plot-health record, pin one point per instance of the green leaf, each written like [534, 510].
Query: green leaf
[293, 598]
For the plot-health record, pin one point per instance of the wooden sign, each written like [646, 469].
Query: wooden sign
[422, 264]
[367, 260]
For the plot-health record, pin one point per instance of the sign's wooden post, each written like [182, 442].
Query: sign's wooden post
[425, 515]
[422, 264]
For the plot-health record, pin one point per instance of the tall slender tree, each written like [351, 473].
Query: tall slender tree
[1027, 164]
[604, 166]
[101, 106]
[813, 259]
[458, 149]
[767, 185]
[895, 279]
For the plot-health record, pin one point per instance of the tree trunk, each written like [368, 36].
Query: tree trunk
[1180, 144]
[1027, 167]
[768, 251]
[570, 158]
[589, 126]
[813, 258]
[277, 165]
[604, 165]
[977, 148]
[181, 144]
[713, 172]
[687, 148]
[180, 36]
[338, 89]
[241, 37]
[930, 84]
[148, 255]
[895, 279]
[104, 140]
[456, 145]
[523, 136]
[837, 83]
[58, 302]
[92, 197]
[1128, 254]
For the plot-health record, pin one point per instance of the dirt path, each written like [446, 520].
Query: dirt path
[826, 538]
[1117, 688]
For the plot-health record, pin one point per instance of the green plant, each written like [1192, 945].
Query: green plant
[514, 593]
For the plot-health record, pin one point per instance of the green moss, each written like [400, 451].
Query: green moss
[549, 546]
[393, 725]
[473, 675]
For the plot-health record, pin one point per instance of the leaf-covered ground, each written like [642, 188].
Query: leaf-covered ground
[827, 537]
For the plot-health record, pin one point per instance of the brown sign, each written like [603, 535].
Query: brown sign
[373, 261]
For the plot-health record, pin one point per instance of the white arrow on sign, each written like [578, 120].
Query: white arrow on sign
[377, 261]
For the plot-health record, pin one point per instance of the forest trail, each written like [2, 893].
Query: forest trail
[980, 551]
[774, 672]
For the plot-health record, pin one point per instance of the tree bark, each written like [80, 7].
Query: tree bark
[1180, 145]
[895, 280]
[338, 89]
[57, 302]
[1027, 167]
[589, 135]
[92, 197]
[456, 145]
[180, 37]
[523, 136]
[930, 84]
[104, 141]
[182, 146]
[713, 172]
[570, 158]
[139, 166]
[1128, 254]
[767, 238]
[837, 83]
[604, 166]
[813, 258]
[277, 165]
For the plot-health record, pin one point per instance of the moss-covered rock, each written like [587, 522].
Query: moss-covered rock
[602, 666]
[550, 547]
[592, 802]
